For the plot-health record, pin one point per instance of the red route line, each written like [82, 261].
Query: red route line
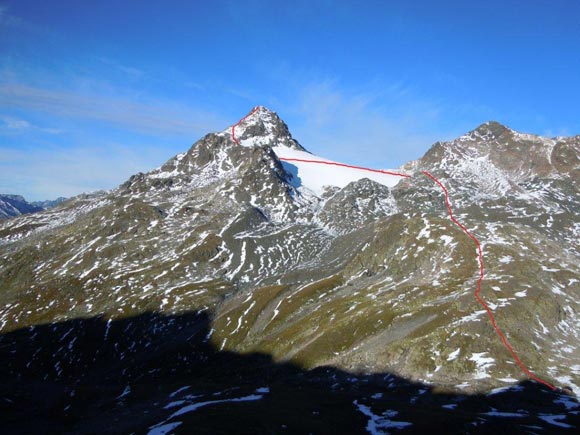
[479, 299]
[254, 110]
[380, 171]
[455, 221]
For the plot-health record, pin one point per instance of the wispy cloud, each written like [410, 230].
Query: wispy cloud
[380, 124]
[14, 123]
[130, 71]
[561, 132]
[6, 19]
[194, 85]
[52, 172]
[17, 125]
[87, 109]
[150, 116]
[19, 26]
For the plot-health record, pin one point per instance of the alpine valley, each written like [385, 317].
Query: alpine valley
[238, 288]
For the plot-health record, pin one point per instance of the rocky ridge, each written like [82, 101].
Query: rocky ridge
[16, 205]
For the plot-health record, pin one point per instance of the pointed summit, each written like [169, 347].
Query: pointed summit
[264, 111]
[263, 127]
[491, 129]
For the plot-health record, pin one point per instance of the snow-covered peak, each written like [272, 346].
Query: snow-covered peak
[264, 113]
[262, 127]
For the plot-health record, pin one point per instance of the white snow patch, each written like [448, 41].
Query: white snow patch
[446, 239]
[552, 419]
[163, 429]
[482, 364]
[378, 422]
[195, 406]
[506, 259]
[315, 177]
[453, 355]
[504, 414]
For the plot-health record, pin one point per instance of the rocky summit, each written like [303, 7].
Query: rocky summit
[243, 287]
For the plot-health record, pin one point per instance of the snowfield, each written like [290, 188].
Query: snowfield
[316, 177]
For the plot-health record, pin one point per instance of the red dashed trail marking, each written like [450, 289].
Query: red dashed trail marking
[322, 162]
[456, 222]
[254, 110]
[478, 290]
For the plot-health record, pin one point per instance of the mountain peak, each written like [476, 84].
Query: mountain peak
[492, 128]
[266, 117]
[262, 127]
[263, 110]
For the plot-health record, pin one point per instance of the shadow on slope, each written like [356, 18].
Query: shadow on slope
[291, 169]
[158, 374]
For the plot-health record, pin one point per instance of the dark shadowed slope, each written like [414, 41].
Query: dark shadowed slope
[158, 374]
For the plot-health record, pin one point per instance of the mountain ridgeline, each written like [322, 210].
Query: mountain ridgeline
[16, 205]
[329, 270]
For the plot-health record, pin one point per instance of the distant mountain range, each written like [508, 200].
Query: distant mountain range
[16, 205]
[241, 286]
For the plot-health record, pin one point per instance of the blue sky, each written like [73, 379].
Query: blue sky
[92, 92]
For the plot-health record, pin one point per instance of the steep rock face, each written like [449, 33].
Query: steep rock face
[366, 276]
[216, 166]
[358, 204]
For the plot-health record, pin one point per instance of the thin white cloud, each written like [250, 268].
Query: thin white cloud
[152, 116]
[6, 19]
[19, 26]
[194, 85]
[49, 173]
[382, 124]
[17, 125]
[130, 71]
[40, 172]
